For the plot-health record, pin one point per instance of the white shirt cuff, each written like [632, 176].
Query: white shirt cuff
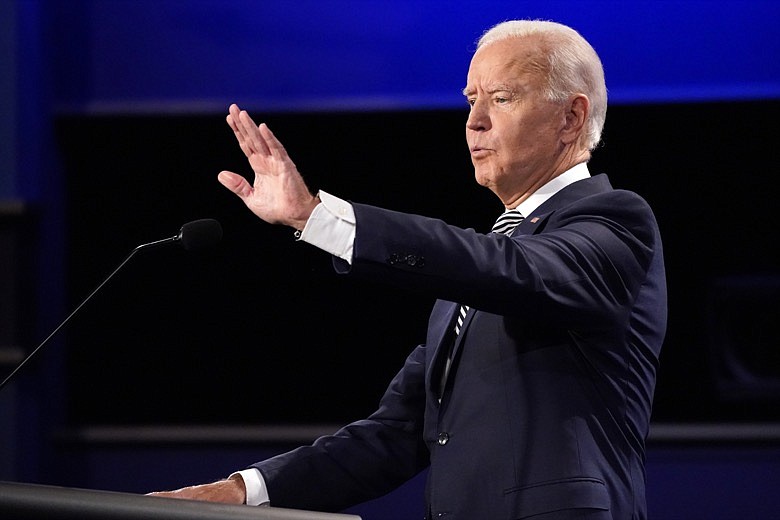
[256, 490]
[331, 227]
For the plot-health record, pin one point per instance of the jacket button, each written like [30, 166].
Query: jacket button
[415, 261]
[444, 438]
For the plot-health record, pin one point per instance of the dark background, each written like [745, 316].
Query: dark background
[260, 329]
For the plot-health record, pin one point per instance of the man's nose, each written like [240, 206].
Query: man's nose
[478, 117]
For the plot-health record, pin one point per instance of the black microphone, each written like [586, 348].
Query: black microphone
[198, 234]
[195, 235]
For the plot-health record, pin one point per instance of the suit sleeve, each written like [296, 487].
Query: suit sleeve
[582, 264]
[363, 460]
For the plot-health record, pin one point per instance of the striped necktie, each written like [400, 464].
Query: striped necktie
[505, 224]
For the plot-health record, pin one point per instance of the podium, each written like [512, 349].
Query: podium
[34, 502]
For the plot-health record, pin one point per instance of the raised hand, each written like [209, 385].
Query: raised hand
[278, 195]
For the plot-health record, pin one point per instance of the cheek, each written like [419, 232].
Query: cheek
[513, 132]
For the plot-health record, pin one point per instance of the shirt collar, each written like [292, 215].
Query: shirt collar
[537, 198]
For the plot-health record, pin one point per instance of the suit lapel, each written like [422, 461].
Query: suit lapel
[440, 333]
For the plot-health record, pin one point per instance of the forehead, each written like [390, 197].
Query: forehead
[510, 61]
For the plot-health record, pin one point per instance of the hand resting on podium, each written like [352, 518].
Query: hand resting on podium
[228, 491]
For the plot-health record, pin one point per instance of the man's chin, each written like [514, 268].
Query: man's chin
[483, 177]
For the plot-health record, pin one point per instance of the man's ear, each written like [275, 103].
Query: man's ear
[575, 115]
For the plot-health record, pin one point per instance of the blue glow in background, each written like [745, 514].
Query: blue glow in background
[152, 55]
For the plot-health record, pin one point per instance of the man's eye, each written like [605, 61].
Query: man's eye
[471, 101]
[501, 100]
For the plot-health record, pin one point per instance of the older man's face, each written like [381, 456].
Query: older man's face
[512, 131]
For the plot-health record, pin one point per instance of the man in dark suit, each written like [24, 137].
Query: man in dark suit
[532, 393]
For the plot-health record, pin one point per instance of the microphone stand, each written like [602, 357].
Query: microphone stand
[76, 310]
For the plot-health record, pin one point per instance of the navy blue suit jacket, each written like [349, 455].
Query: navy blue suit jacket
[547, 404]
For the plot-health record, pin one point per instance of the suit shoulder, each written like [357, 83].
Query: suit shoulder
[615, 208]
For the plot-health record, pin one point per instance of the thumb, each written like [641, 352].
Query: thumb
[235, 183]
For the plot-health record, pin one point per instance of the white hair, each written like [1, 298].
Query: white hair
[571, 63]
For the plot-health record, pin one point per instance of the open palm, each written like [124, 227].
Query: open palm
[278, 195]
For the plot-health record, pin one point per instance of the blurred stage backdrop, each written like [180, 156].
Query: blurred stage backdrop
[188, 366]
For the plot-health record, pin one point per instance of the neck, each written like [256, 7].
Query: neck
[514, 197]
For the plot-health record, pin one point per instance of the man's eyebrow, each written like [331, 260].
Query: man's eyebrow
[490, 90]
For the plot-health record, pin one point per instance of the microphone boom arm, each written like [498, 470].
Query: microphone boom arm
[66, 320]
[193, 235]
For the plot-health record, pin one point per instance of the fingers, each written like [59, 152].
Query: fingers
[252, 134]
[232, 121]
[275, 148]
[247, 132]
